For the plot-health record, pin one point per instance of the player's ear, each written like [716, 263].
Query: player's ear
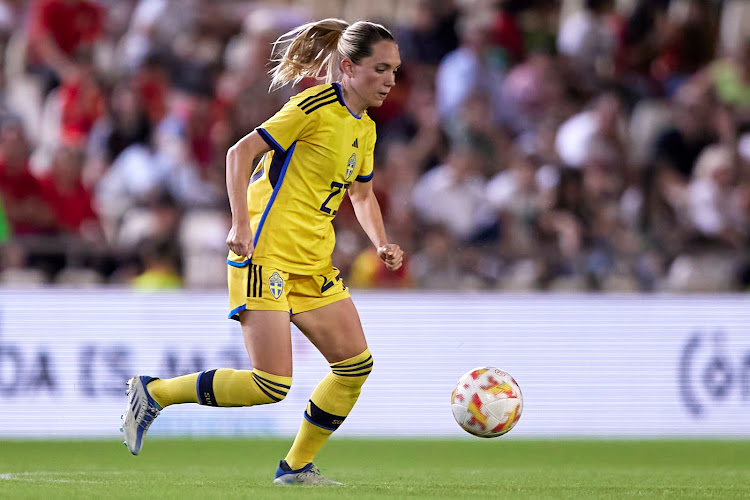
[347, 66]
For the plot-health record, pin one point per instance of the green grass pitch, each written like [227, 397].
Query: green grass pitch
[482, 469]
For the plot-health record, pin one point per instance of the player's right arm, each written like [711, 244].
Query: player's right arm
[279, 132]
[239, 168]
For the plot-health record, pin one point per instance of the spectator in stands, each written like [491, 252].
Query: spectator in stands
[588, 39]
[58, 31]
[142, 172]
[82, 101]
[400, 171]
[533, 92]
[641, 39]
[25, 204]
[126, 123]
[189, 127]
[688, 43]
[151, 81]
[474, 67]
[474, 123]
[519, 200]
[453, 195]
[433, 266]
[68, 198]
[418, 128]
[141, 39]
[431, 36]
[538, 21]
[562, 228]
[714, 207]
[731, 78]
[663, 212]
[693, 128]
[506, 32]
[160, 267]
[599, 129]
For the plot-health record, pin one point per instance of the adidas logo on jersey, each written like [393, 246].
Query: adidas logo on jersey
[355, 144]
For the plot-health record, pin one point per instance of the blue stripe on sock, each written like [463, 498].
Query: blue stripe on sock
[322, 418]
[205, 385]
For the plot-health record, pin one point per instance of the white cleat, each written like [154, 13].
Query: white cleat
[140, 413]
[307, 475]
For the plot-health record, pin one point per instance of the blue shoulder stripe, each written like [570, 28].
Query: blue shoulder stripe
[270, 140]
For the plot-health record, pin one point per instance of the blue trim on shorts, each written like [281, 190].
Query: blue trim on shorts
[238, 264]
[276, 189]
[234, 313]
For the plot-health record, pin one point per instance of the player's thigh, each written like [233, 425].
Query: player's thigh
[268, 340]
[334, 329]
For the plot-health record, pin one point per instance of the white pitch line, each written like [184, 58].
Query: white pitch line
[48, 477]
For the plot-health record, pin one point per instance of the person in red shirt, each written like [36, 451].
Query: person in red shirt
[58, 30]
[25, 205]
[68, 198]
[82, 102]
[151, 81]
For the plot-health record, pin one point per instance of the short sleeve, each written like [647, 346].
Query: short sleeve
[289, 124]
[365, 171]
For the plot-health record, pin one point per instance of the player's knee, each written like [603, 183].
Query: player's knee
[353, 371]
[273, 388]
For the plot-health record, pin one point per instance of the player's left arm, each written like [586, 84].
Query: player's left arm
[367, 210]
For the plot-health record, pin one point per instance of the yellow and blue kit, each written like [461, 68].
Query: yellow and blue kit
[318, 148]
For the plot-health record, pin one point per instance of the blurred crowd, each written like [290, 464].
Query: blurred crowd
[557, 145]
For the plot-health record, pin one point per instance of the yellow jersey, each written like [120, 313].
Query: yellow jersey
[318, 148]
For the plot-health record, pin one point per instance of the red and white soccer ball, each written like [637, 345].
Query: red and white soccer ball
[487, 402]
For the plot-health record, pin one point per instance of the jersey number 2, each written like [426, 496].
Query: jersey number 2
[336, 188]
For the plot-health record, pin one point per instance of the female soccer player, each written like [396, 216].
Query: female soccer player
[317, 148]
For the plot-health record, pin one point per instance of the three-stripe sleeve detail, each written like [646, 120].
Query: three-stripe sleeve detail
[314, 102]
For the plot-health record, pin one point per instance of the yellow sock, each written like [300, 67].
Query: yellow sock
[330, 403]
[222, 387]
[248, 388]
[172, 391]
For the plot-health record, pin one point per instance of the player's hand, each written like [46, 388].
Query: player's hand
[240, 240]
[392, 255]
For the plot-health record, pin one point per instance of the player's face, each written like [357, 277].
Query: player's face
[375, 75]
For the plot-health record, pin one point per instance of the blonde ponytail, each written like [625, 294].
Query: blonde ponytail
[306, 51]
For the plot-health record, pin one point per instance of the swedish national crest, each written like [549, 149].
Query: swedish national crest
[350, 165]
[276, 285]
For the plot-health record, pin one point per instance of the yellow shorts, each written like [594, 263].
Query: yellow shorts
[263, 288]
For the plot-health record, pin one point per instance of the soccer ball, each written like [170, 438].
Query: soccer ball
[487, 402]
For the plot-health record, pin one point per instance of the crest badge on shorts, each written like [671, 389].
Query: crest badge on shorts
[276, 285]
[350, 165]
